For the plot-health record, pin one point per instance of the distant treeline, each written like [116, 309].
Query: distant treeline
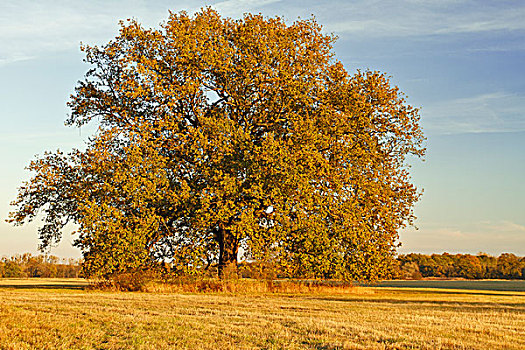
[410, 266]
[27, 265]
[480, 266]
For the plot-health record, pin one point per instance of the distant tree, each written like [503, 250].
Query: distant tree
[468, 266]
[508, 266]
[439, 266]
[218, 134]
[39, 266]
[67, 270]
[12, 269]
[522, 265]
[488, 264]
[427, 265]
[409, 270]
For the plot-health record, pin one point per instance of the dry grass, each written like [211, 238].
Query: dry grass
[49, 314]
[251, 286]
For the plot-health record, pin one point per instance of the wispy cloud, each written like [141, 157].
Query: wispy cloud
[503, 226]
[34, 28]
[490, 112]
[482, 20]
[30, 28]
[500, 47]
[237, 7]
[12, 59]
[416, 18]
[490, 237]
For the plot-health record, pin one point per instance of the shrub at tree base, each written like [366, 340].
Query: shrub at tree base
[214, 285]
[219, 136]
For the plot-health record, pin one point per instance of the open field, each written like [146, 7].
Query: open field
[59, 314]
[494, 285]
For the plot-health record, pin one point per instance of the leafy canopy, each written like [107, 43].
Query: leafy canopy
[219, 136]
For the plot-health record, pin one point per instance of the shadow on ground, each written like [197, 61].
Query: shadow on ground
[42, 284]
[480, 285]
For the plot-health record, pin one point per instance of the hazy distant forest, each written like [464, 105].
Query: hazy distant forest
[27, 265]
[410, 266]
[480, 266]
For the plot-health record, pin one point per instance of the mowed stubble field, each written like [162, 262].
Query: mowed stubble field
[59, 314]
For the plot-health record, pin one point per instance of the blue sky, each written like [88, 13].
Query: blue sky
[462, 62]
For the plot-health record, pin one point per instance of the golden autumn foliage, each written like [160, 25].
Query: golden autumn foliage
[218, 137]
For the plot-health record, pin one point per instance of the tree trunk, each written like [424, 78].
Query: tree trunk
[228, 249]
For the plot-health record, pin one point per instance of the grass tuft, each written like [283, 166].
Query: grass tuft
[251, 286]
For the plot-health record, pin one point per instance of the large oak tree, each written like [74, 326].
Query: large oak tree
[218, 136]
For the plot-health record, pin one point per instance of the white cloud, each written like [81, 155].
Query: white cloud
[34, 28]
[30, 28]
[503, 226]
[13, 59]
[483, 21]
[237, 7]
[416, 18]
[61, 23]
[490, 237]
[490, 112]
